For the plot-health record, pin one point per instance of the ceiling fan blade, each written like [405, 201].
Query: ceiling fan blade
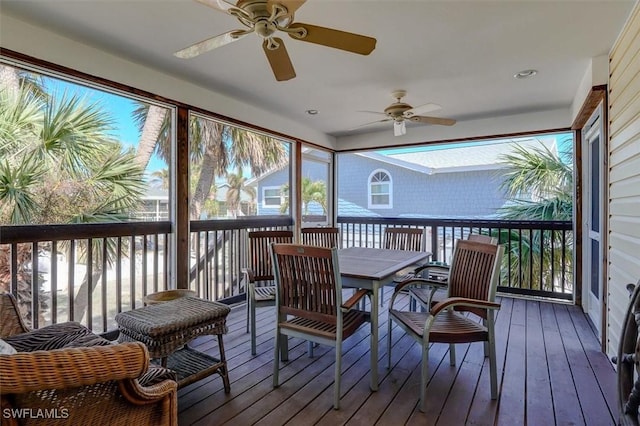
[433, 120]
[399, 128]
[290, 5]
[220, 5]
[373, 122]
[279, 60]
[337, 39]
[374, 112]
[422, 109]
[210, 44]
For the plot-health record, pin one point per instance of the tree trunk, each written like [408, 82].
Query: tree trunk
[9, 78]
[205, 181]
[149, 136]
[82, 299]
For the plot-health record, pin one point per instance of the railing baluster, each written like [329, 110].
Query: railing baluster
[53, 280]
[105, 254]
[119, 274]
[35, 286]
[89, 278]
[155, 262]
[72, 278]
[132, 271]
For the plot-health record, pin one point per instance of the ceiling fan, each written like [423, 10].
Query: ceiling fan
[399, 112]
[265, 18]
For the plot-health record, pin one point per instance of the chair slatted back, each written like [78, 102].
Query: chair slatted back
[480, 238]
[259, 251]
[403, 239]
[321, 237]
[475, 271]
[307, 282]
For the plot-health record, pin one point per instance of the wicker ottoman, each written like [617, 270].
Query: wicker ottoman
[167, 328]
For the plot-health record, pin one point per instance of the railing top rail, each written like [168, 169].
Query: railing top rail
[240, 223]
[34, 233]
[479, 223]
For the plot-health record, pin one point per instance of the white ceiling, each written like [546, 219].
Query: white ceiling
[461, 55]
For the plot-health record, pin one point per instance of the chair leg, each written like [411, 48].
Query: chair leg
[252, 320]
[486, 344]
[492, 357]
[388, 343]
[423, 376]
[276, 358]
[310, 348]
[338, 375]
[452, 354]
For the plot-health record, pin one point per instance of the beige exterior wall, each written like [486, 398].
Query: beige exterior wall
[624, 174]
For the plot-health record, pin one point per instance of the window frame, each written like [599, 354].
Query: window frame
[370, 193]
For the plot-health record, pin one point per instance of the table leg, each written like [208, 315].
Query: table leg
[374, 335]
[224, 371]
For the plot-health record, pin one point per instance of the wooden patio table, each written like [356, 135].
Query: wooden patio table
[372, 268]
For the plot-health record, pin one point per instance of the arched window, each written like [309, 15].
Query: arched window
[380, 190]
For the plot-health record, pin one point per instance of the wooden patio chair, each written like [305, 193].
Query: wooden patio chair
[321, 237]
[402, 239]
[309, 303]
[473, 280]
[259, 275]
[436, 273]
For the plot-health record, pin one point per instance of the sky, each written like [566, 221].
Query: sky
[119, 108]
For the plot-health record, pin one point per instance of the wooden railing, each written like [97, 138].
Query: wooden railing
[219, 250]
[90, 272]
[538, 258]
[84, 272]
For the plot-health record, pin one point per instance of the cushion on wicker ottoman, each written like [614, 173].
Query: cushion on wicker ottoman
[168, 326]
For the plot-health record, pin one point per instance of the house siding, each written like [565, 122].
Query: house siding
[624, 175]
[457, 194]
[312, 169]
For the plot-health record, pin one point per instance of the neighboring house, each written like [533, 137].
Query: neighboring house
[155, 205]
[462, 182]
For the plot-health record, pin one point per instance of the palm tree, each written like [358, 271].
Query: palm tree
[214, 148]
[161, 178]
[311, 192]
[539, 183]
[60, 165]
[237, 186]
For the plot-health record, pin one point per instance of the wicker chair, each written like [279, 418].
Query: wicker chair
[321, 237]
[309, 303]
[436, 275]
[78, 384]
[473, 280]
[259, 275]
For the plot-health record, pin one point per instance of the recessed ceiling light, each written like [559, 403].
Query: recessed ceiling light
[312, 111]
[525, 74]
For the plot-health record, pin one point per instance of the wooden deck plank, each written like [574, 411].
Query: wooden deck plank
[594, 406]
[512, 396]
[536, 343]
[602, 366]
[538, 391]
[566, 405]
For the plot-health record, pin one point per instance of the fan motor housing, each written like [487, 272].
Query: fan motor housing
[396, 110]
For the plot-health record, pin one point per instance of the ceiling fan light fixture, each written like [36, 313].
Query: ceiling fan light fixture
[525, 74]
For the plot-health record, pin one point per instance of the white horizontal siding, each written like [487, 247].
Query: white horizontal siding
[624, 175]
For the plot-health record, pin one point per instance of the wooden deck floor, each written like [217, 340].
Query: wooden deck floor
[550, 371]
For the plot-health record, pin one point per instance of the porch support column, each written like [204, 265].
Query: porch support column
[181, 222]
